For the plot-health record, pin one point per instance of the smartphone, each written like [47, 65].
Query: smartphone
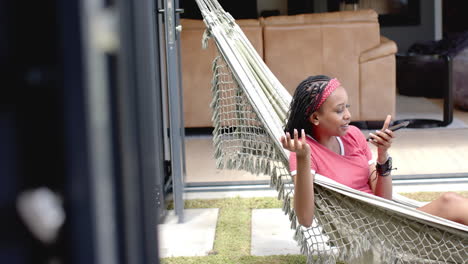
[395, 127]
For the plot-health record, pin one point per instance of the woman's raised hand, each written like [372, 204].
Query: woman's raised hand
[295, 145]
[382, 139]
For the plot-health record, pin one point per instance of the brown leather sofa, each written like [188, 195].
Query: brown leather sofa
[346, 45]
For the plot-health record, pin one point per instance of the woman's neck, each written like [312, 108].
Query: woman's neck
[328, 141]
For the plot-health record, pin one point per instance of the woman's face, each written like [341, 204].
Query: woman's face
[333, 117]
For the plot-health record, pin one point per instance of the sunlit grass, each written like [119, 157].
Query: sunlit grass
[428, 196]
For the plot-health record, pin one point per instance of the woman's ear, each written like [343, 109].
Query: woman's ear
[314, 119]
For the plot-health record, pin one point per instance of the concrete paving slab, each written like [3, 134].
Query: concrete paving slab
[271, 233]
[194, 237]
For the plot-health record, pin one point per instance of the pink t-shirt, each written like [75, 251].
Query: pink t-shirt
[351, 168]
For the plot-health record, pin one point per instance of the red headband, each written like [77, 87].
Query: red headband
[331, 86]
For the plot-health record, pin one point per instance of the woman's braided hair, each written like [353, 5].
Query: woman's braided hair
[304, 103]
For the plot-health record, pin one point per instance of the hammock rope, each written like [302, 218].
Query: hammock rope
[249, 109]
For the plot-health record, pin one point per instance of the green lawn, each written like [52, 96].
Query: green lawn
[232, 239]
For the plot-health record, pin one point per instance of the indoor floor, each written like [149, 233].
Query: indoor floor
[430, 152]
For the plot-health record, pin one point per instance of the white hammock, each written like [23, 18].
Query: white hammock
[249, 109]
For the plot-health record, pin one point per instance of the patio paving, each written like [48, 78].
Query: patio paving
[193, 237]
[271, 233]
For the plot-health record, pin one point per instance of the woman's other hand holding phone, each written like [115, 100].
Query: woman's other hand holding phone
[382, 139]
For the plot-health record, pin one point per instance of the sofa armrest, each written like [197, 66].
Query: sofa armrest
[385, 48]
[377, 93]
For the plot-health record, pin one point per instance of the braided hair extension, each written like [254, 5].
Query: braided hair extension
[305, 99]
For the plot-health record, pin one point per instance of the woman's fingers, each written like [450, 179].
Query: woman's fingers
[283, 142]
[384, 135]
[380, 144]
[294, 143]
[288, 140]
[387, 122]
[381, 139]
[296, 139]
[376, 138]
[389, 132]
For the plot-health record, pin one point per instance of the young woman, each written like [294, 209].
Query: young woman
[321, 140]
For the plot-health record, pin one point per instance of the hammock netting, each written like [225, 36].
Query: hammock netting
[249, 109]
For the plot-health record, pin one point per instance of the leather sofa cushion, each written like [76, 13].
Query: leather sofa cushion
[295, 51]
[367, 15]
